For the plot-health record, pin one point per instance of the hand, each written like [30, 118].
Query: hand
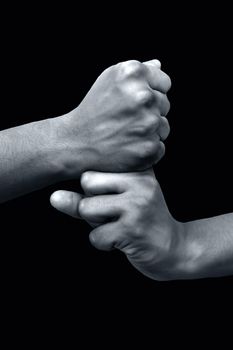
[120, 124]
[129, 213]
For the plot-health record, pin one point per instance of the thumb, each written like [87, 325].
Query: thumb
[155, 63]
[67, 202]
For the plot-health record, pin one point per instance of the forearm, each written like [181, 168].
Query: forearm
[207, 249]
[30, 158]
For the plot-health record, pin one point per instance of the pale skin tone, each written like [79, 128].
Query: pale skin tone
[124, 110]
[128, 212]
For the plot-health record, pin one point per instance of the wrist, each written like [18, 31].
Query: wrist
[172, 264]
[70, 148]
[51, 148]
[189, 253]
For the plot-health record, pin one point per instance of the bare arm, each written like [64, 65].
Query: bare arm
[29, 158]
[124, 110]
[209, 247]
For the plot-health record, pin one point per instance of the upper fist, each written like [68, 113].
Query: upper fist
[120, 125]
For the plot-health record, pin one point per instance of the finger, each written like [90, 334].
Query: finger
[94, 183]
[160, 152]
[105, 237]
[100, 209]
[164, 128]
[67, 202]
[153, 62]
[157, 79]
[161, 103]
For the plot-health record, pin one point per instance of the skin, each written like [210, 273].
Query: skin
[120, 126]
[128, 212]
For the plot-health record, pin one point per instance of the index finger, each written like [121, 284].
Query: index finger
[157, 79]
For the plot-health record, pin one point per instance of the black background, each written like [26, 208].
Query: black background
[50, 58]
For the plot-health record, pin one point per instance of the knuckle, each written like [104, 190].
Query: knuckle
[144, 98]
[160, 152]
[164, 128]
[167, 82]
[130, 69]
[152, 123]
[163, 80]
[165, 105]
[84, 207]
[151, 152]
[93, 238]
[147, 150]
[158, 96]
[100, 241]
[85, 179]
[160, 100]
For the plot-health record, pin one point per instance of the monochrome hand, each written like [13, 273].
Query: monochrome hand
[129, 213]
[120, 125]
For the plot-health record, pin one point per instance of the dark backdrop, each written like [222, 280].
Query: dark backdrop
[50, 58]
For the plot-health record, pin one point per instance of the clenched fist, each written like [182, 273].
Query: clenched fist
[129, 213]
[120, 125]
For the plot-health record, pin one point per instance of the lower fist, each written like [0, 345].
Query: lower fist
[129, 213]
